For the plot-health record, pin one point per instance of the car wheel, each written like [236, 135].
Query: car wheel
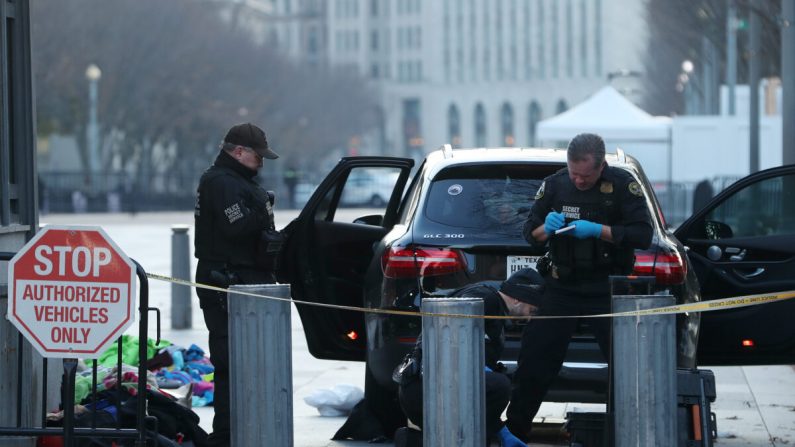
[383, 404]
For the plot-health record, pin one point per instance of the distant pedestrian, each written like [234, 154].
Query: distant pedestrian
[290, 181]
[236, 243]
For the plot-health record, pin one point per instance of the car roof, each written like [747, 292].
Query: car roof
[446, 157]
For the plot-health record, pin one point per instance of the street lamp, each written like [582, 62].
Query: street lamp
[93, 74]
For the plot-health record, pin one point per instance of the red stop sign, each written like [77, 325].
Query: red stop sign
[71, 291]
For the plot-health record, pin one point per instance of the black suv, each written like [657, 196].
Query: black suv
[459, 221]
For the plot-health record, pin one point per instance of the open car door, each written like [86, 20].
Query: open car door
[743, 243]
[330, 246]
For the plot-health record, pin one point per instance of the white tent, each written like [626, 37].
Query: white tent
[622, 124]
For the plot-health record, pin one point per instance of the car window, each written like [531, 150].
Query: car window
[760, 209]
[492, 199]
[369, 188]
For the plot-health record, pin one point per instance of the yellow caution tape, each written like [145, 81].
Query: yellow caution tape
[701, 306]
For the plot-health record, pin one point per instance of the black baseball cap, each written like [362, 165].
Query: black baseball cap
[525, 285]
[249, 135]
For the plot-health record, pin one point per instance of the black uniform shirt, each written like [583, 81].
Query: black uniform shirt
[231, 212]
[630, 223]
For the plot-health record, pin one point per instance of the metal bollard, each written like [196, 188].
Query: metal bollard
[260, 340]
[181, 316]
[644, 371]
[454, 406]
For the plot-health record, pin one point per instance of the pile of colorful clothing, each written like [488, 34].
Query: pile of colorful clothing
[177, 380]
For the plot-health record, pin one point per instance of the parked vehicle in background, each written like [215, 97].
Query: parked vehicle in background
[366, 187]
[459, 221]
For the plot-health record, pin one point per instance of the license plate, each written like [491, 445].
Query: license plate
[516, 263]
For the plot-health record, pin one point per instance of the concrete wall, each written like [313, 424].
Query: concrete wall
[710, 146]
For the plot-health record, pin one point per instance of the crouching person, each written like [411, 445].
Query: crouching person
[516, 296]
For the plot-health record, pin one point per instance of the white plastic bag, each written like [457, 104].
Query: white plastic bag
[337, 401]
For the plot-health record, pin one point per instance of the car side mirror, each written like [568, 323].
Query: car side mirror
[717, 230]
[373, 219]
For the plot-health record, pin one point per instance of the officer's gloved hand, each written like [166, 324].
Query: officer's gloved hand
[583, 229]
[487, 369]
[553, 222]
[507, 439]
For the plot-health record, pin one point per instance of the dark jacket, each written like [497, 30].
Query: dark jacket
[231, 213]
[616, 200]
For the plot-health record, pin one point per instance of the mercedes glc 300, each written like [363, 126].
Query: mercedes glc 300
[457, 219]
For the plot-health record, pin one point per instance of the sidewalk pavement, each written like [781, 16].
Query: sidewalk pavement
[755, 405]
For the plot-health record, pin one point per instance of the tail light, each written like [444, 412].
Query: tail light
[667, 267]
[401, 262]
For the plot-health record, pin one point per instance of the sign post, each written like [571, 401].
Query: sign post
[71, 294]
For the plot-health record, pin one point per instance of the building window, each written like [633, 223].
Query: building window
[514, 56]
[312, 41]
[374, 71]
[473, 57]
[454, 126]
[498, 30]
[374, 40]
[526, 28]
[374, 8]
[533, 117]
[412, 136]
[506, 124]
[597, 38]
[561, 107]
[583, 39]
[480, 126]
[555, 30]
[541, 39]
[569, 39]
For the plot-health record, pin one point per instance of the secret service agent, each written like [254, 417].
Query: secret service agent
[518, 296]
[607, 208]
[234, 219]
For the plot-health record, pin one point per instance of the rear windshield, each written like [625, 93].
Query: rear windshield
[494, 199]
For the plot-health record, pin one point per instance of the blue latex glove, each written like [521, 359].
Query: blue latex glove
[583, 229]
[507, 439]
[487, 369]
[554, 221]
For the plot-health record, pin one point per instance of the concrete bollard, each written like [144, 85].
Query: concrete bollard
[454, 406]
[260, 366]
[181, 316]
[644, 371]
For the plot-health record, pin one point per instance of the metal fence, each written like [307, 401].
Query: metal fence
[74, 192]
[139, 428]
[678, 200]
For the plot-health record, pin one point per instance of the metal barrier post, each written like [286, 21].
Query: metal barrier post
[180, 269]
[644, 371]
[260, 340]
[453, 361]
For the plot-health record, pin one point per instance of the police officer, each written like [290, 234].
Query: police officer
[234, 223]
[607, 210]
[518, 296]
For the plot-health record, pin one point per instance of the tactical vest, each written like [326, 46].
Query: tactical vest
[588, 259]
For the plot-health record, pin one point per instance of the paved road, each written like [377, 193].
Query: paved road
[755, 405]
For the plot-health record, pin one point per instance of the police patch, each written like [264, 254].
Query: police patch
[606, 187]
[634, 188]
[540, 192]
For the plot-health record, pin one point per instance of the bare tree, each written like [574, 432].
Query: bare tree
[678, 29]
[175, 74]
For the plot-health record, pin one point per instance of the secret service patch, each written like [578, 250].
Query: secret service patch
[634, 189]
[540, 192]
